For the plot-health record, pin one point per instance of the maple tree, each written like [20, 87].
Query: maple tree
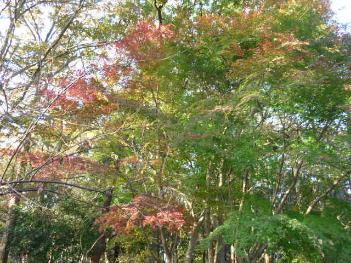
[174, 131]
[143, 211]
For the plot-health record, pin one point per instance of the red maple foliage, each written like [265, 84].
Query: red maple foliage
[145, 42]
[45, 166]
[81, 92]
[143, 211]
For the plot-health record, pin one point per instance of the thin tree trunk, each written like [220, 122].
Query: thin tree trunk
[207, 226]
[233, 255]
[99, 248]
[219, 251]
[319, 198]
[244, 190]
[296, 173]
[267, 258]
[210, 254]
[166, 250]
[279, 179]
[7, 235]
[220, 247]
[191, 246]
[257, 253]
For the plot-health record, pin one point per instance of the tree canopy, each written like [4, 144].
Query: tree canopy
[174, 131]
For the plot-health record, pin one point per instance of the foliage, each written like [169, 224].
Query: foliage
[41, 235]
[151, 131]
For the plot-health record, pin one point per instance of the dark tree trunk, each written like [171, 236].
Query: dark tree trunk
[100, 246]
[7, 235]
[191, 246]
[220, 251]
[257, 253]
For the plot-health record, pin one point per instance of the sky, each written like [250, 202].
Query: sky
[342, 10]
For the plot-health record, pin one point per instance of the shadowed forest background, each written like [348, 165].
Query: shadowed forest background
[155, 131]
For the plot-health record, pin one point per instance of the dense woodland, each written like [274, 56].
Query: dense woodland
[155, 131]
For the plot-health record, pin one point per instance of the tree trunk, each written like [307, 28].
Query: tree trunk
[207, 226]
[220, 246]
[296, 174]
[166, 250]
[191, 246]
[168, 258]
[99, 247]
[232, 254]
[319, 198]
[220, 251]
[210, 254]
[267, 258]
[257, 253]
[7, 235]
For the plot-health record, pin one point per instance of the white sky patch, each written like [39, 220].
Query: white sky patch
[342, 10]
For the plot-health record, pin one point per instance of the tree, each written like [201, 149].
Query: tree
[210, 131]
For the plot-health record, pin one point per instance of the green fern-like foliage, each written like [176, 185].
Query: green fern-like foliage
[289, 237]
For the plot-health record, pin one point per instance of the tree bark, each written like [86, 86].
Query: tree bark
[232, 254]
[99, 247]
[296, 174]
[7, 235]
[166, 250]
[220, 251]
[210, 254]
[191, 246]
[320, 197]
[207, 228]
[257, 253]
[267, 258]
[159, 12]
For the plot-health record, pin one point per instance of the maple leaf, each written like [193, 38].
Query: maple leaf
[145, 42]
[141, 212]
